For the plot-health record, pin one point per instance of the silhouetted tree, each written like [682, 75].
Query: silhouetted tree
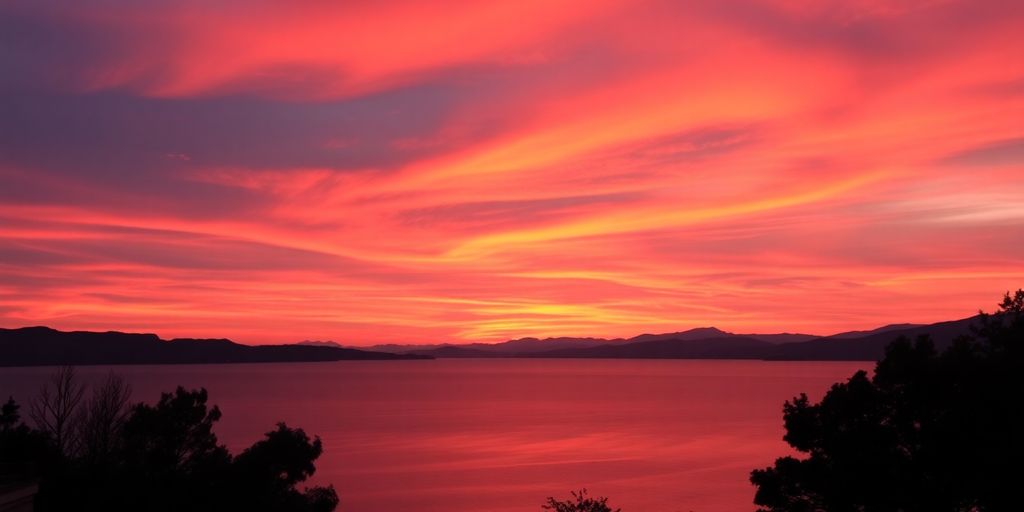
[171, 458]
[160, 457]
[579, 502]
[274, 466]
[22, 449]
[55, 409]
[101, 421]
[928, 432]
[9, 416]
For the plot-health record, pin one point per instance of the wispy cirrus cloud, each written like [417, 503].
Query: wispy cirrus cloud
[417, 171]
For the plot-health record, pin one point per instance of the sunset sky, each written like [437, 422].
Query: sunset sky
[476, 171]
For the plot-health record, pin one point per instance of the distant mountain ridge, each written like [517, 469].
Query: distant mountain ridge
[703, 343]
[879, 330]
[36, 346]
[735, 347]
[871, 346]
[314, 343]
[529, 345]
[43, 346]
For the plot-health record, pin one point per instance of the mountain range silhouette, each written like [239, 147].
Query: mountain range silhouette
[43, 346]
[699, 343]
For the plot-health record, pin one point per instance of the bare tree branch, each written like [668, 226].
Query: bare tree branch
[54, 411]
[102, 418]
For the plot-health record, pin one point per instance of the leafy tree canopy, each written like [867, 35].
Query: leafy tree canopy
[928, 432]
[160, 457]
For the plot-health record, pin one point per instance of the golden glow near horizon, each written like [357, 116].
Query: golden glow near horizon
[478, 171]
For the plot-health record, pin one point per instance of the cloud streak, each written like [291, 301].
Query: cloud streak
[416, 172]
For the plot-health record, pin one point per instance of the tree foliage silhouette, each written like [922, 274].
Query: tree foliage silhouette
[580, 502]
[928, 432]
[275, 465]
[23, 450]
[160, 457]
[171, 458]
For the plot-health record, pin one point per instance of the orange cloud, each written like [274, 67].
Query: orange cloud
[471, 171]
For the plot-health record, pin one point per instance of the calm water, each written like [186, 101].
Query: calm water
[496, 435]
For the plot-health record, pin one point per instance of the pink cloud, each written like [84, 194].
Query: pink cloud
[482, 171]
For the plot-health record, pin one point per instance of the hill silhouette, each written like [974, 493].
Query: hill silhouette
[38, 346]
[699, 333]
[872, 346]
[42, 346]
[314, 343]
[458, 351]
[510, 348]
[878, 330]
[529, 346]
[703, 343]
[672, 348]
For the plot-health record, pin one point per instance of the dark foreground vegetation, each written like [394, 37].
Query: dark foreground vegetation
[580, 502]
[98, 452]
[929, 432]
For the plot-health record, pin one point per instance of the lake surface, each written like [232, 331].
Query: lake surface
[501, 435]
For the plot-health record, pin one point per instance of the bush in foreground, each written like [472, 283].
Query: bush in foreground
[580, 502]
[103, 454]
[929, 432]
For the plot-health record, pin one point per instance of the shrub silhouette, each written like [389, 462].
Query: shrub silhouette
[23, 450]
[579, 502]
[928, 432]
[275, 465]
[171, 458]
[160, 457]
